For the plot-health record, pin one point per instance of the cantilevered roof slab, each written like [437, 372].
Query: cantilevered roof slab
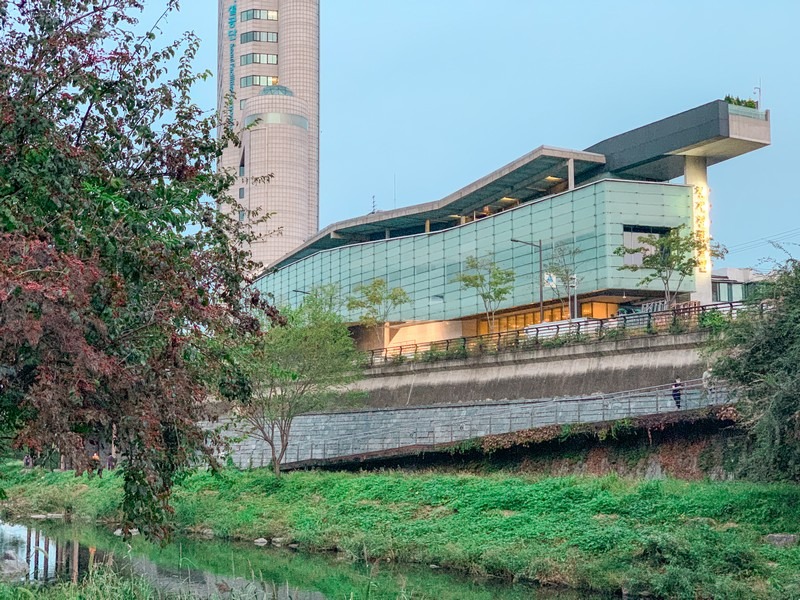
[717, 131]
[534, 175]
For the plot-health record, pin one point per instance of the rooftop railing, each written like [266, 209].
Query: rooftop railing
[677, 320]
[745, 111]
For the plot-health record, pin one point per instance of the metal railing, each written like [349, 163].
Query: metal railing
[496, 418]
[746, 111]
[676, 320]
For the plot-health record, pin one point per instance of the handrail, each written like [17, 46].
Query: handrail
[530, 414]
[535, 336]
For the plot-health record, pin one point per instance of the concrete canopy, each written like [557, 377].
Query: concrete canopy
[656, 152]
[539, 173]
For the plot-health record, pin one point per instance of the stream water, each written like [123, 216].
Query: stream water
[216, 569]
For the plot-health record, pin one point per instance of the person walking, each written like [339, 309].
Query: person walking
[677, 388]
[95, 464]
[708, 385]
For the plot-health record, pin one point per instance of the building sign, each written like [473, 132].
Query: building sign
[702, 226]
[232, 65]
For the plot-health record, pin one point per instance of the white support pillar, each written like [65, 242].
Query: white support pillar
[695, 173]
[570, 173]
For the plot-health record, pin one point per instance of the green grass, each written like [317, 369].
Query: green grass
[102, 584]
[670, 538]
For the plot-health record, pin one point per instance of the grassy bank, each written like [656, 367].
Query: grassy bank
[102, 584]
[670, 538]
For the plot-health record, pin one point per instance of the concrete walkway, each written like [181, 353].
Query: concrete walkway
[319, 438]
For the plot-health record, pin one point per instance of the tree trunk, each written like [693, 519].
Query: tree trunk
[276, 463]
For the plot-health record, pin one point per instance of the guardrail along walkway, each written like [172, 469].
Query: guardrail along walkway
[334, 437]
[677, 320]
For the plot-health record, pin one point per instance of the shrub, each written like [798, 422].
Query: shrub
[712, 320]
[432, 355]
[677, 326]
[612, 335]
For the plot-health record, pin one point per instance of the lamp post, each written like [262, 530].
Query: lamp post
[573, 284]
[538, 246]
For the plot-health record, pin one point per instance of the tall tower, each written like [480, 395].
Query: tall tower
[269, 61]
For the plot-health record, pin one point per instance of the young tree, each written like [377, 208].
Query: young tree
[376, 301]
[491, 283]
[564, 270]
[757, 355]
[117, 277]
[676, 254]
[297, 368]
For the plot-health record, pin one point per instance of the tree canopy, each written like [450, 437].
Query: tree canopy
[120, 271]
[298, 367]
[491, 283]
[758, 353]
[563, 267]
[669, 258]
[376, 301]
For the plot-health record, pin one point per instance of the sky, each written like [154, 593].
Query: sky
[421, 97]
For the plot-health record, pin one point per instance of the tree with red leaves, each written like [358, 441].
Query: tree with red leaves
[119, 279]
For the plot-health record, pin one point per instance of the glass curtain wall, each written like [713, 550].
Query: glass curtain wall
[589, 219]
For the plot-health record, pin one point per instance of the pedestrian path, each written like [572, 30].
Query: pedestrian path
[356, 435]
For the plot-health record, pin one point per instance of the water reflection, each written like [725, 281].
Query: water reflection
[36, 556]
[217, 569]
[32, 555]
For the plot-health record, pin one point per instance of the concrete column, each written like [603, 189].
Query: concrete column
[571, 174]
[695, 173]
[427, 225]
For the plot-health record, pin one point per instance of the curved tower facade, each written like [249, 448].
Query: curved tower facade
[268, 62]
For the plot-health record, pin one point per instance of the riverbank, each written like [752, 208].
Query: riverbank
[103, 584]
[669, 538]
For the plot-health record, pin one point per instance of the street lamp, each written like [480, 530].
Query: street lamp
[538, 246]
[573, 284]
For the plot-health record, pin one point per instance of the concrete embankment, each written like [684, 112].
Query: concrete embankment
[544, 373]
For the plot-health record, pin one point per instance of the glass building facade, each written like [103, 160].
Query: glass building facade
[591, 219]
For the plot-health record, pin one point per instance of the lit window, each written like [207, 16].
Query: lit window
[262, 15]
[260, 80]
[241, 193]
[259, 36]
[261, 59]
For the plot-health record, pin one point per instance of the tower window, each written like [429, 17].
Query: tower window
[260, 80]
[261, 59]
[259, 36]
[262, 15]
[241, 215]
[241, 193]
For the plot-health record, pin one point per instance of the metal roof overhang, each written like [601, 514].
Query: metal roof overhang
[538, 173]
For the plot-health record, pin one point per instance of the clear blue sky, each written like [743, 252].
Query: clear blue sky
[439, 93]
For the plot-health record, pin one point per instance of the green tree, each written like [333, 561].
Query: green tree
[758, 355]
[296, 368]
[118, 276]
[376, 301]
[491, 283]
[669, 258]
[562, 266]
